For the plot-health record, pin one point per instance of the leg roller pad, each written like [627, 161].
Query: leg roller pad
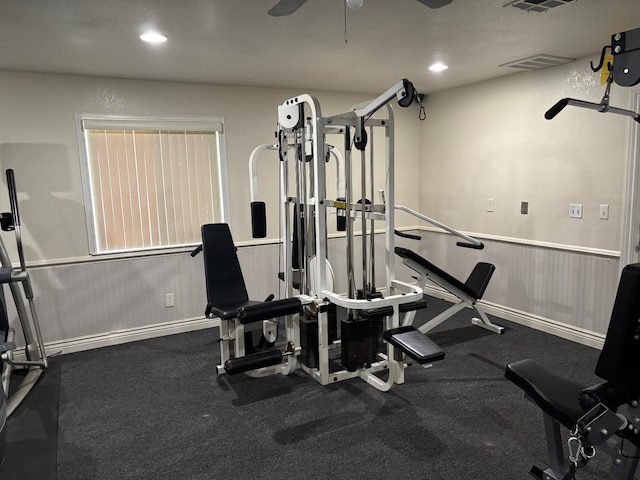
[268, 310]
[252, 362]
[414, 343]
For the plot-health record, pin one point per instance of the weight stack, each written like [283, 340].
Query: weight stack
[361, 340]
[309, 340]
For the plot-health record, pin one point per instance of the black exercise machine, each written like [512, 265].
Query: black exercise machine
[604, 415]
[229, 303]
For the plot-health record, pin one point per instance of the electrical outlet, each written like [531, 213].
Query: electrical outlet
[604, 212]
[575, 210]
[169, 300]
[524, 208]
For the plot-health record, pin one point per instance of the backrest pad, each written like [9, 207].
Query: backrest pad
[223, 275]
[619, 361]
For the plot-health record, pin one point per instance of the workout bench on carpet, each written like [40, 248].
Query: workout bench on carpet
[604, 415]
[468, 292]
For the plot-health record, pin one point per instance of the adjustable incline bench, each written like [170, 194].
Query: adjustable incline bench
[468, 292]
[591, 413]
[228, 301]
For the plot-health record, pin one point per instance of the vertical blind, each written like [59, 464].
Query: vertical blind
[151, 186]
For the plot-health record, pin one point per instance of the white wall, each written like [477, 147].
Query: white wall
[87, 301]
[487, 140]
[38, 139]
[491, 140]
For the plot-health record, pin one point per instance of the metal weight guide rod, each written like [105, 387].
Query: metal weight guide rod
[36, 359]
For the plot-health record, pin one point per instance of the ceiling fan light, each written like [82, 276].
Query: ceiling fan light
[354, 4]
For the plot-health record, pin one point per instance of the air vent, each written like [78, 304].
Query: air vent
[538, 62]
[538, 6]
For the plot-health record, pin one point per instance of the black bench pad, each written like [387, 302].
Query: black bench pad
[555, 395]
[268, 310]
[414, 343]
[475, 285]
[252, 362]
[377, 312]
[229, 310]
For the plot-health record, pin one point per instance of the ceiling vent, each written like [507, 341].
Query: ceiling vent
[539, 6]
[538, 62]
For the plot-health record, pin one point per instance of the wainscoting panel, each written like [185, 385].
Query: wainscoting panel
[573, 288]
[88, 304]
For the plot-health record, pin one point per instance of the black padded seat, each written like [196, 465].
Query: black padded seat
[555, 395]
[414, 343]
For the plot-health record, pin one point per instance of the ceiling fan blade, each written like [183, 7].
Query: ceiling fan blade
[435, 3]
[285, 7]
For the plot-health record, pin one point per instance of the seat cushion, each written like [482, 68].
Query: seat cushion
[555, 395]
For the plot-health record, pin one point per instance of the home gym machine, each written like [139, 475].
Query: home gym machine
[371, 340]
[604, 417]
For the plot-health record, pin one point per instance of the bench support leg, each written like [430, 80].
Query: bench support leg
[437, 320]
[484, 321]
[554, 444]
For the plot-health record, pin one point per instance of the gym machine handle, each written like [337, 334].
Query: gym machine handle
[407, 235]
[556, 109]
[602, 107]
[196, 250]
[476, 246]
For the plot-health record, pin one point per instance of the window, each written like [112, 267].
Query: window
[151, 182]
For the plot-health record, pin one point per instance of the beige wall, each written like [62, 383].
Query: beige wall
[38, 139]
[491, 140]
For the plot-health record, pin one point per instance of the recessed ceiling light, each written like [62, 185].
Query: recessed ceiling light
[153, 37]
[438, 67]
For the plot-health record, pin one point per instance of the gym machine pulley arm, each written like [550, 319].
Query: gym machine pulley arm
[625, 71]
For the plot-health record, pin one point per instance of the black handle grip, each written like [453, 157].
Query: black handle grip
[475, 246]
[407, 235]
[196, 250]
[556, 109]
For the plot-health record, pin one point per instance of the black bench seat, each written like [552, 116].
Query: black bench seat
[414, 343]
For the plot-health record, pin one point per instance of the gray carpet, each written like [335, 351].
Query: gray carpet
[32, 430]
[156, 409]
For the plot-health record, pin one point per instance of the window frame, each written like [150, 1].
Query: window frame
[172, 122]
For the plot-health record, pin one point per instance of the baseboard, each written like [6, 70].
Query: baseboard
[107, 339]
[562, 330]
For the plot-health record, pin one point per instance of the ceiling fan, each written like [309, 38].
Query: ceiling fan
[287, 7]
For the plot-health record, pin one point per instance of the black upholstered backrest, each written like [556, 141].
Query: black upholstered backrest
[619, 361]
[223, 276]
[479, 277]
